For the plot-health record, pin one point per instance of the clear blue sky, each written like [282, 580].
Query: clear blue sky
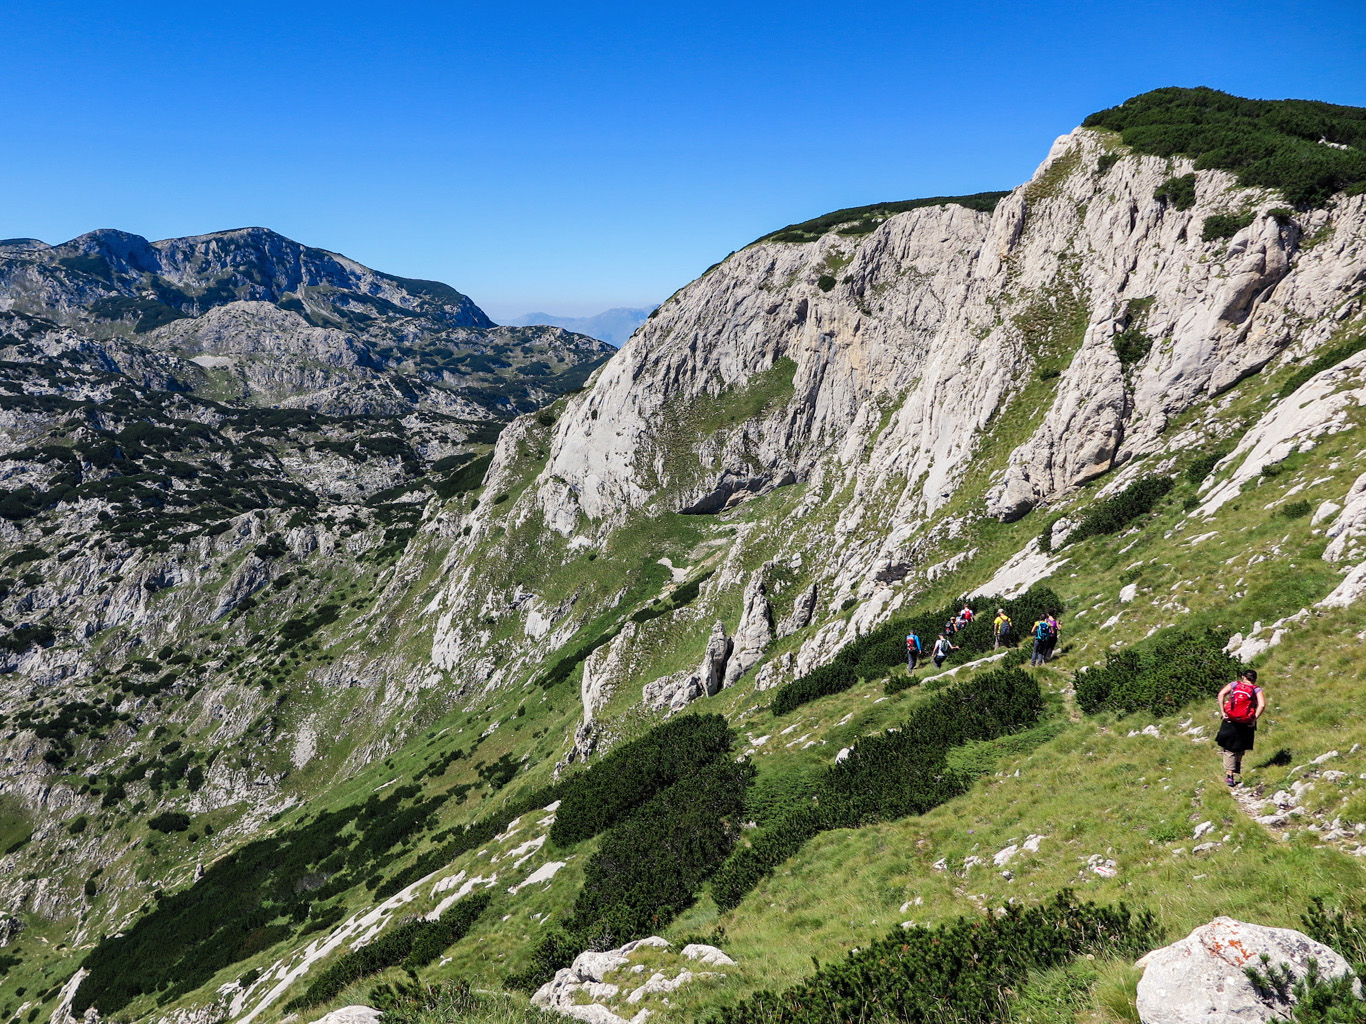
[570, 157]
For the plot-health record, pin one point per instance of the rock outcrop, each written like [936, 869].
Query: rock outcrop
[615, 987]
[754, 633]
[1202, 978]
[682, 688]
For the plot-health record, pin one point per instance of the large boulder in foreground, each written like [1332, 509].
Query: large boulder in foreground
[1202, 977]
[351, 1015]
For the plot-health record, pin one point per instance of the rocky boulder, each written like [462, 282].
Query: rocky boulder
[1202, 977]
[351, 1015]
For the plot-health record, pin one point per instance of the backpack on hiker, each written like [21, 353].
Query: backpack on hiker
[1240, 705]
[1004, 631]
[1042, 631]
[913, 643]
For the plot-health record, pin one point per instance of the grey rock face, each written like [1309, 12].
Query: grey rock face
[711, 674]
[754, 634]
[10, 927]
[803, 608]
[1349, 528]
[940, 324]
[677, 691]
[1201, 978]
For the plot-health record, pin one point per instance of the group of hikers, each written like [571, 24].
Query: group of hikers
[1241, 702]
[1044, 633]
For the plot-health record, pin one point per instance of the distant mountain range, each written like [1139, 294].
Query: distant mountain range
[613, 326]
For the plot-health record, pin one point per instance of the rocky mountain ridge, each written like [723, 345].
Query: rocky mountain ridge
[193, 429]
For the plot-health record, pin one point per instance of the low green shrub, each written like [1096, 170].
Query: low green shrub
[892, 775]
[861, 220]
[1311, 999]
[1160, 674]
[960, 972]
[825, 282]
[1113, 514]
[1179, 192]
[170, 821]
[229, 914]
[1224, 225]
[634, 773]
[680, 598]
[413, 944]
[649, 867]
[1296, 509]
[1267, 143]
[1343, 930]
[1203, 465]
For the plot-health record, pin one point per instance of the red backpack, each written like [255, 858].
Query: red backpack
[1241, 703]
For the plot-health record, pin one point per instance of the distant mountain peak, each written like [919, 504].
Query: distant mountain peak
[613, 326]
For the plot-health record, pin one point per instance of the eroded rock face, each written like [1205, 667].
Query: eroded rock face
[754, 634]
[1320, 406]
[711, 673]
[615, 987]
[803, 608]
[1348, 530]
[1201, 978]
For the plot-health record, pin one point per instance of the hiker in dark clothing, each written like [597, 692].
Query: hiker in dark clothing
[1241, 703]
[942, 647]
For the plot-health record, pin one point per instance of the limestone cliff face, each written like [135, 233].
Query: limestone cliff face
[949, 364]
[941, 317]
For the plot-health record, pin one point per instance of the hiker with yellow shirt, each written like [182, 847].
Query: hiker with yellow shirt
[1002, 627]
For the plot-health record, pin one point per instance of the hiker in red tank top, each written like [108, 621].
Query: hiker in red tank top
[1241, 703]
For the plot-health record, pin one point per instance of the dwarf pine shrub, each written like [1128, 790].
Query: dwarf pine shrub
[1161, 674]
[1113, 514]
[412, 944]
[1267, 143]
[891, 775]
[1325, 361]
[649, 867]
[635, 772]
[958, 972]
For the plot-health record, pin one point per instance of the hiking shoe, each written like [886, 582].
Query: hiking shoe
[1230, 781]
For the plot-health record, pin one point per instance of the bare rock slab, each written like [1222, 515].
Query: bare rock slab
[1201, 978]
[351, 1015]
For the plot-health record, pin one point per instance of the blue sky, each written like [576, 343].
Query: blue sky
[568, 158]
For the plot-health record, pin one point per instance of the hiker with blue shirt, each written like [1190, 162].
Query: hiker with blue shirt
[1039, 631]
[912, 651]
